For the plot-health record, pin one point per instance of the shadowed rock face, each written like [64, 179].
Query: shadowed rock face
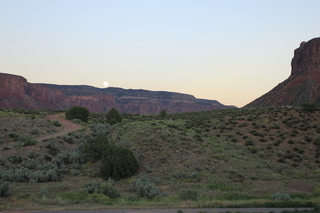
[303, 85]
[16, 92]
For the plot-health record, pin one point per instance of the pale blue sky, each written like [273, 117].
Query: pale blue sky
[232, 51]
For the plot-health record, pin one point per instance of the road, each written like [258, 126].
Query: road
[196, 210]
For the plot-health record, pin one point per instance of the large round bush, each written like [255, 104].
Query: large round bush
[77, 112]
[118, 162]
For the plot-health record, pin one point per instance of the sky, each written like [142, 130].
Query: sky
[232, 51]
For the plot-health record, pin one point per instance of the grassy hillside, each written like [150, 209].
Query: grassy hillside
[235, 157]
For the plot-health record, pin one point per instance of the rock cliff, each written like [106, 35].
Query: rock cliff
[303, 85]
[16, 92]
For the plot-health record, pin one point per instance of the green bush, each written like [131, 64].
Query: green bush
[94, 147]
[77, 112]
[56, 123]
[101, 188]
[144, 188]
[53, 149]
[118, 162]
[34, 132]
[113, 116]
[308, 107]
[188, 194]
[5, 189]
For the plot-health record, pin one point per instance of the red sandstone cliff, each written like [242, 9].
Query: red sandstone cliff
[16, 92]
[303, 85]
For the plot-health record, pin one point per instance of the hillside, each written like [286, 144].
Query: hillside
[303, 85]
[17, 93]
[235, 157]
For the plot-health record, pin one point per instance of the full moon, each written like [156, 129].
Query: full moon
[105, 83]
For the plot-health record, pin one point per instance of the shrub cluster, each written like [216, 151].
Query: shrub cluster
[101, 188]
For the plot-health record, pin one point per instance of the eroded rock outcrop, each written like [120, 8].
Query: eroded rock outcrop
[303, 85]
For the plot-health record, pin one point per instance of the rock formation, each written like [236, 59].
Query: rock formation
[303, 85]
[16, 92]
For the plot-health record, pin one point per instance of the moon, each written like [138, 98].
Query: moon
[105, 83]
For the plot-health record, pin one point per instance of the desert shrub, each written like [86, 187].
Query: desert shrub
[291, 141]
[5, 189]
[76, 121]
[52, 148]
[279, 196]
[101, 188]
[15, 158]
[35, 132]
[68, 139]
[308, 107]
[188, 194]
[249, 143]
[29, 142]
[144, 188]
[94, 147]
[56, 123]
[308, 139]
[118, 162]
[25, 139]
[74, 172]
[113, 116]
[97, 198]
[198, 137]
[163, 113]
[100, 129]
[32, 155]
[77, 112]
[253, 150]
[51, 175]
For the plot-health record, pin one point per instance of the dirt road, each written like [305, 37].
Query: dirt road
[213, 210]
[67, 126]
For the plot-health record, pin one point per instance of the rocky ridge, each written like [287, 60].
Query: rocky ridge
[303, 85]
[16, 92]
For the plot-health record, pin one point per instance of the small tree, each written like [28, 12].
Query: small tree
[309, 107]
[118, 162]
[163, 113]
[77, 112]
[113, 116]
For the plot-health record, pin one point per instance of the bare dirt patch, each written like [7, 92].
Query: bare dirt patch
[67, 126]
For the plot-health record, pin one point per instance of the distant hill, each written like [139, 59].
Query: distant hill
[303, 85]
[16, 92]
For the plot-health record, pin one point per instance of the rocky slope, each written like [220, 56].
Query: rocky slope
[303, 85]
[16, 92]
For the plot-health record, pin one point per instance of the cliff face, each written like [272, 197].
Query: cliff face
[16, 92]
[303, 85]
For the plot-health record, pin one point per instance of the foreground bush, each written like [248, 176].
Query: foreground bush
[4, 189]
[77, 112]
[118, 162]
[144, 188]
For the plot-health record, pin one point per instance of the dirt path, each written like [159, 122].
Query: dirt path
[66, 126]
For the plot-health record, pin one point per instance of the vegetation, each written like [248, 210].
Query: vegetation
[113, 116]
[309, 107]
[118, 162]
[222, 158]
[77, 112]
